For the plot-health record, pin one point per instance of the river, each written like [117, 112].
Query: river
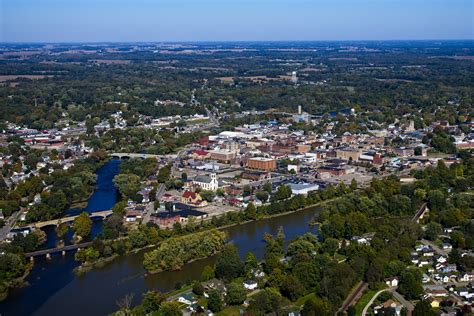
[55, 290]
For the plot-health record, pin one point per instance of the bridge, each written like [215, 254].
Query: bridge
[420, 213]
[67, 219]
[133, 155]
[63, 250]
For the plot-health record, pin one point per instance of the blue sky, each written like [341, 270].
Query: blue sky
[229, 20]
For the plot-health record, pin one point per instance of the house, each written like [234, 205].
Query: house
[206, 182]
[450, 268]
[250, 285]
[187, 299]
[435, 302]
[200, 154]
[190, 197]
[392, 282]
[447, 246]
[436, 292]
[466, 277]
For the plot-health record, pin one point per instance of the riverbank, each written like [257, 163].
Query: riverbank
[84, 268]
[17, 282]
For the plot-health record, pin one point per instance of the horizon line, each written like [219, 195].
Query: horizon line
[234, 41]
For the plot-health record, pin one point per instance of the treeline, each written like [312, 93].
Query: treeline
[173, 253]
[143, 140]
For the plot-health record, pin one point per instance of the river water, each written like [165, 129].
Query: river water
[55, 290]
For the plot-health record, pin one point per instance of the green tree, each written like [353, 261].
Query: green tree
[433, 230]
[207, 195]
[410, 284]
[170, 309]
[423, 308]
[198, 288]
[127, 184]
[353, 185]
[268, 187]
[262, 196]
[250, 211]
[214, 302]
[228, 265]
[236, 294]
[151, 301]
[317, 307]
[61, 230]
[207, 273]
[82, 225]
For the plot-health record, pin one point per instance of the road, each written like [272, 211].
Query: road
[9, 223]
[162, 188]
[364, 311]
[438, 250]
[408, 305]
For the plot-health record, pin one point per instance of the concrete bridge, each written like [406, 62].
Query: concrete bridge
[63, 250]
[67, 219]
[133, 155]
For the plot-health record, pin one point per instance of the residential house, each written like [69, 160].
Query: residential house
[190, 197]
[250, 285]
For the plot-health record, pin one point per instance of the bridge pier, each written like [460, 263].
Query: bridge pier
[48, 256]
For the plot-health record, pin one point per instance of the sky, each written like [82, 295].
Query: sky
[233, 20]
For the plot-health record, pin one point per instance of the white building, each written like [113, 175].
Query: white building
[250, 285]
[303, 188]
[207, 182]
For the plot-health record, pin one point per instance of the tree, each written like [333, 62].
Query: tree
[214, 302]
[433, 230]
[436, 200]
[423, 308]
[353, 185]
[184, 176]
[228, 265]
[198, 288]
[251, 264]
[250, 211]
[317, 307]
[410, 284]
[127, 184]
[113, 226]
[82, 225]
[170, 309]
[207, 195]
[152, 300]
[119, 208]
[268, 187]
[164, 174]
[265, 301]
[207, 273]
[61, 230]
[262, 196]
[236, 294]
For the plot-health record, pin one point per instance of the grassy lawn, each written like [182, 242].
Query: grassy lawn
[303, 299]
[364, 300]
[230, 311]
